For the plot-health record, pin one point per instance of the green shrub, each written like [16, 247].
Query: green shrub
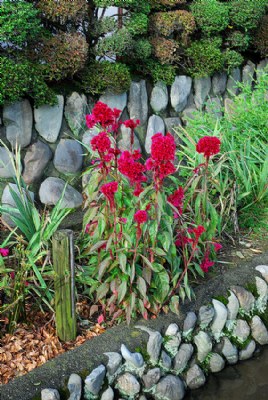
[238, 40]
[63, 10]
[142, 49]
[137, 5]
[205, 57]
[101, 76]
[246, 14]
[261, 38]
[211, 16]
[232, 59]
[119, 44]
[162, 72]
[166, 51]
[137, 24]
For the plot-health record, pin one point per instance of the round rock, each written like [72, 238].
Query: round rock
[68, 156]
[128, 385]
[169, 388]
[51, 191]
[195, 377]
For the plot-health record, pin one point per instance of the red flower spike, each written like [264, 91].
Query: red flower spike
[176, 199]
[101, 142]
[140, 217]
[206, 264]
[131, 123]
[109, 190]
[103, 115]
[208, 145]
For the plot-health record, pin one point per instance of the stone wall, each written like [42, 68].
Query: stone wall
[51, 137]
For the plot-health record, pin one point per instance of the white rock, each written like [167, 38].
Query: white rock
[159, 97]
[204, 345]
[263, 269]
[48, 120]
[219, 319]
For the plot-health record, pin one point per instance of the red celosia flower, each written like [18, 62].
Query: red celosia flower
[140, 217]
[206, 264]
[109, 189]
[217, 246]
[4, 252]
[131, 123]
[103, 115]
[163, 147]
[176, 199]
[197, 232]
[208, 145]
[101, 143]
[132, 169]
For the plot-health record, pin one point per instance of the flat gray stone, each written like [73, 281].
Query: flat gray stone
[7, 200]
[94, 381]
[229, 351]
[195, 377]
[118, 101]
[68, 156]
[48, 120]
[18, 119]
[183, 357]
[169, 388]
[205, 316]
[233, 78]
[114, 362]
[180, 90]
[202, 88]
[172, 330]
[50, 394]
[248, 351]
[172, 344]
[151, 377]
[51, 191]
[75, 111]
[216, 363]
[108, 394]
[159, 97]
[155, 125]
[219, 81]
[248, 73]
[36, 160]
[189, 324]
[165, 361]
[128, 385]
[219, 319]
[7, 159]
[232, 307]
[245, 298]
[172, 125]
[258, 330]
[75, 387]
[241, 330]
[263, 269]
[262, 290]
[138, 101]
[134, 359]
[203, 343]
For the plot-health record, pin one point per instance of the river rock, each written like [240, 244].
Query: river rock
[241, 330]
[134, 359]
[51, 191]
[50, 394]
[248, 351]
[182, 357]
[48, 120]
[263, 269]
[118, 101]
[204, 345]
[138, 101]
[68, 157]
[180, 90]
[195, 377]
[151, 378]
[75, 387]
[245, 298]
[233, 78]
[262, 290]
[128, 385]
[189, 324]
[232, 309]
[169, 388]
[75, 111]
[7, 200]
[154, 343]
[219, 81]
[18, 119]
[248, 73]
[36, 160]
[172, 330]
[155, 125]
[7, 159]
[216, 363]
[219, 319]
[124, 143]
[258, 330]
[108, 394]
[172, 125]
[94, 381]
[205, 316]
[159, 97]
[114, 362]
[165, 360]
[229, 351]
[202, 88]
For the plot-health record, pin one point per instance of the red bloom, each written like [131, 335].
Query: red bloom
[132, 169]
[131, 123]
[176, 199]
[206, 264]
[122, 220]
[208, 145]
[217, 246]
[101, 142]
[163, 147]
[140, 217]
[4, 252]
[109, 189]
[103, 115]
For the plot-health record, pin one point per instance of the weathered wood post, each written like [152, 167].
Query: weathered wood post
[63, 261]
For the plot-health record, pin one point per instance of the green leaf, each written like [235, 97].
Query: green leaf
[103, 266]
[122, 261]
[174, 305]
[142, 287]
[122, 290]
[166, 242]
[97, 245]
[102, 290]
[161, 282]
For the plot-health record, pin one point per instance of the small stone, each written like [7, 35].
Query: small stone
[232, 307]
[169, 388]
[204, 345]
[172, 330]
[219, 319]
[245, 298]
[124, 143]
[108, 394]
[219, 81]
[138, 101]
[262, 290]
[18, 119]
[182, 357]
[205, 316]
[202, 88]
[35, 161]
[195, 377]
[155, 125]
[180, 91]
[134, 359]
[216, 363]
[48, 120]
[189, 324]
[248, 351]
[159, 97]
[114, 362]
[263, 269]
[151, 378]
[258, 330]
[241, 330]
[142, 398]
[248, 73]
[51, 191]
[50, 394]
[172, 344]
[229, 351]
[75, 387]
[7, 159]
[94, 380]
[165, 361]
[68, 156]
[154, 343]
[172, 125]
[75, 111]
[233, 79]
[128, 385]
[118, 101]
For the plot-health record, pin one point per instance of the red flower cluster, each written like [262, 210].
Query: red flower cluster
[176, 199]
[103, 115]
[132, 169]
[162, 157]
[206, 264]
[101, 143]
[4, 252]
[131, 123]
[109, 190]
[208, 145]
[183, 239]
[140, 217]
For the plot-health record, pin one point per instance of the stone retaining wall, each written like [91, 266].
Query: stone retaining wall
[51, 155]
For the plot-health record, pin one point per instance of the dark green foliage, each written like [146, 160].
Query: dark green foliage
[261, 38]
[142, 49]
[137, 24]
[211, 16]
[232, 59]
[161, 72]
[246, 14]
[238, 40]
[100, 76]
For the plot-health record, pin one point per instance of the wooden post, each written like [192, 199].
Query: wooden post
[63, 262]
